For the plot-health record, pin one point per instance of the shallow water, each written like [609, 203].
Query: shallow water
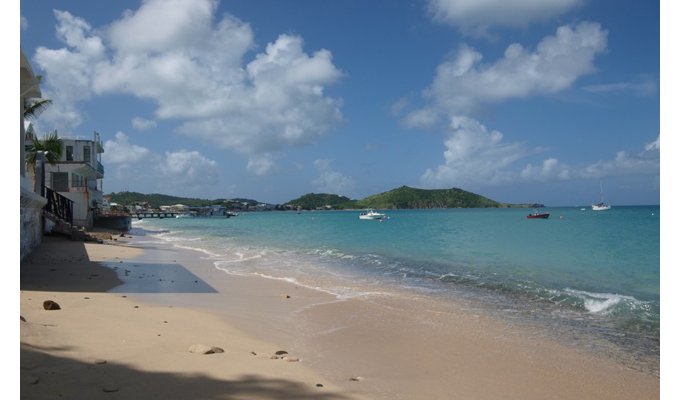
[587, 278]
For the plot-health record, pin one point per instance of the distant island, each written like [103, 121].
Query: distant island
[403, 197]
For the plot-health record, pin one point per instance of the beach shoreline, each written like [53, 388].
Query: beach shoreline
[382, 348]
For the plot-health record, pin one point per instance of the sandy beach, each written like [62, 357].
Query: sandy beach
[133, 322]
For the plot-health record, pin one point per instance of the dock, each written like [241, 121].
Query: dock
[155, 214]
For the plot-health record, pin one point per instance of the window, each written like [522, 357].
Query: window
[69, 153]
[60, 181]
[86, 154]
[78, 180]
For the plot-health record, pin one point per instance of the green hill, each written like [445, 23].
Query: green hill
[403, 197]
[407, 197]
[156, 200]
[312, 201]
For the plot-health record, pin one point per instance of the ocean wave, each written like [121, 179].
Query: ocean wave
[605, 303]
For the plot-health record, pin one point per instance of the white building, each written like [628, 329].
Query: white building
[78, 176]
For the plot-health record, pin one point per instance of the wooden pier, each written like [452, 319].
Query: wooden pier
[155, 214]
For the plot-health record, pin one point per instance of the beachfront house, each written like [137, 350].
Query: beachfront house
[78, 176]
[31, 228]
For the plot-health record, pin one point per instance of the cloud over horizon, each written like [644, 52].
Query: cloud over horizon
[331, 181]
[182, 169]
[477, 157]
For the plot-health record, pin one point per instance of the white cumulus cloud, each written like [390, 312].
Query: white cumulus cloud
[261, 164]
[331, 181]
[463, 82]
[188, 168]
[121, 151]
[171, 171]
[191, 64]
[142, 124]
[474, 156]
[644, 162]
[478, 16]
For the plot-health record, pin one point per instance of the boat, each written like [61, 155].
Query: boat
[601, 206]
[372, 215]
[538, 215]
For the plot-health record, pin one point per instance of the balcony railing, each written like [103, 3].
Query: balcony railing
[100, 168]
[59, 205]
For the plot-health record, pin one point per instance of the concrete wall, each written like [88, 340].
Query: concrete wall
[31, 219]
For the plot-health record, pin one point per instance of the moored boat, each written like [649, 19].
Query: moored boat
[372, 215]
[601, 206]
[538, 215]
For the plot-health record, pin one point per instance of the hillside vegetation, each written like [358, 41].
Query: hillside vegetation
[407, 197]
[403, 197]
[156, 200]
[312, 201]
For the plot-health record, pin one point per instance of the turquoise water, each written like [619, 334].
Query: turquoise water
[578, 271]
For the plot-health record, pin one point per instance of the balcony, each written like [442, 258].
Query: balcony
[100, 169]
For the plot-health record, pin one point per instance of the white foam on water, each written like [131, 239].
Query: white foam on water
[600, 303]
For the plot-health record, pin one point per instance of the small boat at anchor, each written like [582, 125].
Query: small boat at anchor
[601, 206]
[538, 215]
[372, 215]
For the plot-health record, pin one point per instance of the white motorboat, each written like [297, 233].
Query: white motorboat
[372, 215]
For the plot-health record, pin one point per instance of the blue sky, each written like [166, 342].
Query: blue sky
[537, 101]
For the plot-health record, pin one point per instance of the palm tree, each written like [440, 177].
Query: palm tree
[51, 145]
[34, 107]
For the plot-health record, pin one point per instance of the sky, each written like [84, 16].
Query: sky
[544, 101]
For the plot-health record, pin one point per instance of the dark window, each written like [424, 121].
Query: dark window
[60, 181]
[86, 154]
[69, 153]
[78, 180]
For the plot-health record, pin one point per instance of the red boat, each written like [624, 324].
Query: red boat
[538, 215]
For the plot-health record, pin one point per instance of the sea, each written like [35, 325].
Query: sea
[586, 278]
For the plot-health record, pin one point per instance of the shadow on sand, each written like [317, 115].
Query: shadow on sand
[49, 376]
[63, 265]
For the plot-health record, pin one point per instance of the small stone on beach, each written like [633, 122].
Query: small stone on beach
[22, 319]
[203, 349]
[51, 305]
[281, 352]
[356, 379]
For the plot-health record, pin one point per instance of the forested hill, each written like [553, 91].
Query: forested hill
[403, 197]
[156, 200]
[312, 201]
[407, 197]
